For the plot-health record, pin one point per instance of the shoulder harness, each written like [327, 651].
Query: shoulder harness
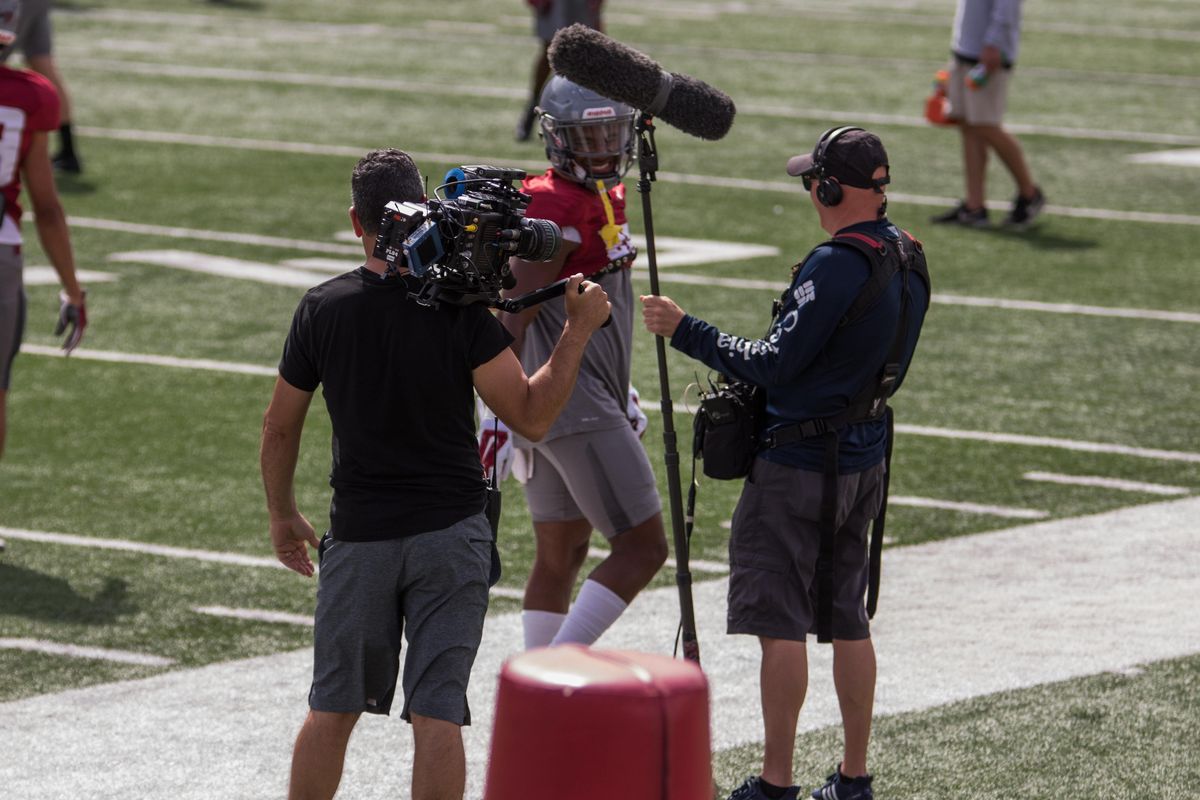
[887, 258]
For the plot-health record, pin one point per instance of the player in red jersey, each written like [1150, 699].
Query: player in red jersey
[590, 471]
[28, 112]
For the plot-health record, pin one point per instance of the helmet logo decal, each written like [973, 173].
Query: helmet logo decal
[598, 113]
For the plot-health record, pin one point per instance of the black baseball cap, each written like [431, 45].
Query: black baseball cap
[851, 157]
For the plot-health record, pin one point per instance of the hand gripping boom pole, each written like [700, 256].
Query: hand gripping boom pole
[647, 158]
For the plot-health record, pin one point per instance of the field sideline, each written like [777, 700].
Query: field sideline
[243, 711]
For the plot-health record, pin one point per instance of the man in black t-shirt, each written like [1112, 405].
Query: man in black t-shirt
[409, 545]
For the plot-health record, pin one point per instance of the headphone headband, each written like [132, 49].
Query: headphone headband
[824, 143]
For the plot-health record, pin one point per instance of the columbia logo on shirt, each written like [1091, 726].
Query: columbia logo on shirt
[804, 293]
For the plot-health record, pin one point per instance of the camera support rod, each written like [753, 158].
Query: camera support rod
[547, 292]
[647, 158]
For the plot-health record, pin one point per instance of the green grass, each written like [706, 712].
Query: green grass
[1108, 735]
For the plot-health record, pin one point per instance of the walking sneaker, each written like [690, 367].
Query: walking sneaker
[961, 215]
[67, 162]
[751, 789]
[838, 787]
[1024, 212]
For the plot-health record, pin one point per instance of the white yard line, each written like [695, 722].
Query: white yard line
[145, 548]
[110, 356]
[1052, 442]
[237, 143]
[1067, 308]
[47, 276]
[1026, 606]
[80, 651]
[1170, 158]
[256, 615]
[1006, 512]
[680, 251]
[128, 546]
[230, 237]
[224, 267]
[1101, 482]
[653, 405]
[159, 69]
[316, 33]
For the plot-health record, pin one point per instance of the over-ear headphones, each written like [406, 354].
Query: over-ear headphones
[829, 189]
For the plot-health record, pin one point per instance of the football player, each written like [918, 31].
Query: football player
[590, 471]
[28, 112]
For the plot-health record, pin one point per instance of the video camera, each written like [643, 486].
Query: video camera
[459, 243]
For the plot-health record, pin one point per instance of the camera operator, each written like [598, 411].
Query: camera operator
[590, 470]
[409, 548]
[798, 552]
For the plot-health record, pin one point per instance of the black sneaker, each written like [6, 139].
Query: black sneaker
[751, 789]
[839, 787]
[961, 215]
[67, 162]
[1025, 211]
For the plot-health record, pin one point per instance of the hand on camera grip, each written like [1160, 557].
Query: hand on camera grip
[580, 310]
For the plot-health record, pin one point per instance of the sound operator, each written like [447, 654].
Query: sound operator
[838, 346]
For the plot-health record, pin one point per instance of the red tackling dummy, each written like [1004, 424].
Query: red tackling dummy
[598, 725]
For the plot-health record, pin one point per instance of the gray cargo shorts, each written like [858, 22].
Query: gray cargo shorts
[430, 587]
[773, 552]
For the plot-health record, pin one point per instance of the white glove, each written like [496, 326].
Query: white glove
[637, 417]
[495, 444]
[72, 320]
[522, 465]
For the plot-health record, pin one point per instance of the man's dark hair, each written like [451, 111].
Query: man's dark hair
[380, 177]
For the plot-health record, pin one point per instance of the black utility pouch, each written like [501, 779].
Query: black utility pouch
[726, 428]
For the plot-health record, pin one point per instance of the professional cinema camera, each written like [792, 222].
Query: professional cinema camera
[459, 243]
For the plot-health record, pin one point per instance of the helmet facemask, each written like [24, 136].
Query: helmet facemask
[590, 150]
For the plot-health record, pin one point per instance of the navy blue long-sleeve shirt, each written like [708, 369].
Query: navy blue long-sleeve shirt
[812, 366]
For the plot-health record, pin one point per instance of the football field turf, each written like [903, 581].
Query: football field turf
[1054, 384]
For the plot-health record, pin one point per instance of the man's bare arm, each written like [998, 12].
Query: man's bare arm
[529, 405]
[282, 426]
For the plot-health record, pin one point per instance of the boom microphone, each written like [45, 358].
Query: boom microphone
[607, 67]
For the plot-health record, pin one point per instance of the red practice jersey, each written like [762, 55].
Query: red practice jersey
[573, 205]
[28, 104]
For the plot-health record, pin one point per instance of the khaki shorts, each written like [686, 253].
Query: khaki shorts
[602, 476]
[983, 106]
[773, 552]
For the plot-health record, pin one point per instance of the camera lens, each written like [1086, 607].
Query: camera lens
[539, 241]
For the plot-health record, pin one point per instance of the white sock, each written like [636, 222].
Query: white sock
[596, 608]
[540, 627]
